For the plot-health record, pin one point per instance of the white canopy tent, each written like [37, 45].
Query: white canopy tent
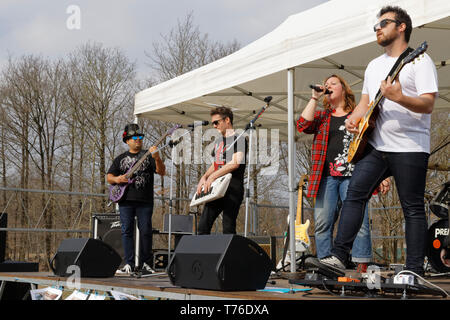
[335, 37]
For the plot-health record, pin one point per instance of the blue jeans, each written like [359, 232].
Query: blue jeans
[409, 172]
[326, 212]
[143, 212]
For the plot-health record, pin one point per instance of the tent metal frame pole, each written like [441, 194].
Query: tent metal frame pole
[291, 165]
[247, 188]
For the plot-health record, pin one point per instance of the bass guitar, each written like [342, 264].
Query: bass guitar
[116, 191]
[367, 123]
[302, 241]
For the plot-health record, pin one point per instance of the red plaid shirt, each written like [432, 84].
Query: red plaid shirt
[320, 127]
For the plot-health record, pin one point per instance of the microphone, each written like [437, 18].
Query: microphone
[174, 143]
[196, 124]
[268, 99]
[319, 89]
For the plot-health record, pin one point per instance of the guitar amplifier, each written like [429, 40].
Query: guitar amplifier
[181, 223]
[268, 244]
[107, 227]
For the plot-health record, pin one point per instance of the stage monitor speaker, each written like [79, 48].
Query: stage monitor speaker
[95, 258]
[3, 224]
[16, 290]
[219, 262]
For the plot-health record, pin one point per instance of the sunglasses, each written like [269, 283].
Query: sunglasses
[383, 23]
[137, 137]
[216, 122]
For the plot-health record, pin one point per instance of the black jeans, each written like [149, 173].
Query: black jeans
[229, 204]
[409, 171]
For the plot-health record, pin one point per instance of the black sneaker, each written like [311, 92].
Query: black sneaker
[146, 269]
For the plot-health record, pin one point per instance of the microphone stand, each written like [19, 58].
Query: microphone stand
[250, 126]
[170, 144]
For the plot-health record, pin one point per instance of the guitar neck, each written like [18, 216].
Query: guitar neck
[379, 96]
[298, 219]
[138, 164]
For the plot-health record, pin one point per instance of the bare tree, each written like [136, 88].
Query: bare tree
[103, 88]
[183, 49]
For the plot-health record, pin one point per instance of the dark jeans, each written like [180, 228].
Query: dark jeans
[229, 204]
[409, 171]
[143, 212]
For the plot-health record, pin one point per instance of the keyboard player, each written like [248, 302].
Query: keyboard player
[225, 161]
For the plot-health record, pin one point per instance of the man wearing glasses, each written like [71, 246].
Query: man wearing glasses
[138, 198]
[226, 159]
[400, 143]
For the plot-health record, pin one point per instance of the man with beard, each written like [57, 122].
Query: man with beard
[138, 198]
[399, 146]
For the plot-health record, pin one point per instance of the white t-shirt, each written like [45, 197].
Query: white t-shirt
[397, 128]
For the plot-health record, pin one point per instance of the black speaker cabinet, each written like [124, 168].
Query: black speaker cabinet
[3, 224]
[17, 290]
[95, 258]
[180, 223]
[107, 227]
[219, 262]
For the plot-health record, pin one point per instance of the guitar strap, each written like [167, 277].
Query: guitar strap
[400, 58]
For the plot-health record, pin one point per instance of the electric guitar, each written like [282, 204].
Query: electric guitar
[302, 241]
[367, 123]
[116, 191]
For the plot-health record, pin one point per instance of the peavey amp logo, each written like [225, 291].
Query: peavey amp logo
[441, 232]
[115, 224]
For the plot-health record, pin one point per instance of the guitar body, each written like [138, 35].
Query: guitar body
[359, 142]
[117, 191]
[302, 241]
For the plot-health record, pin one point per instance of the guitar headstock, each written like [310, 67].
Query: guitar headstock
[417, 52]
[302, 181]
[172, 130]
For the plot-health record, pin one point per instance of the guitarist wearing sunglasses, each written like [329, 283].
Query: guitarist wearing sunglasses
[226, 160]
[138, 198]
[399, 144]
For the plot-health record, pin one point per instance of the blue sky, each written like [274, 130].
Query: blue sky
[40, 26]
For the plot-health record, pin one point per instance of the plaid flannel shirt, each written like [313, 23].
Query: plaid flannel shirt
[320, 127]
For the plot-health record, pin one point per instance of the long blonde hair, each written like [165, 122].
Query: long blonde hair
[349, 97]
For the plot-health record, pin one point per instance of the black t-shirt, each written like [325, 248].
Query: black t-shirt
[141, 189]
[222, 156]
[339, 139]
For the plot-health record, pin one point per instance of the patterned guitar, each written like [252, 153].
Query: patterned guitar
[367, 123]
[116, 191]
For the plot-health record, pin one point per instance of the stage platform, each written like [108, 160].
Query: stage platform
[159, 287]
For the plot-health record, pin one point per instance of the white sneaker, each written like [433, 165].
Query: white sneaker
[126, 269]
[334, 262]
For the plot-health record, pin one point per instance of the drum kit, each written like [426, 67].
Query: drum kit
[438, 239]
